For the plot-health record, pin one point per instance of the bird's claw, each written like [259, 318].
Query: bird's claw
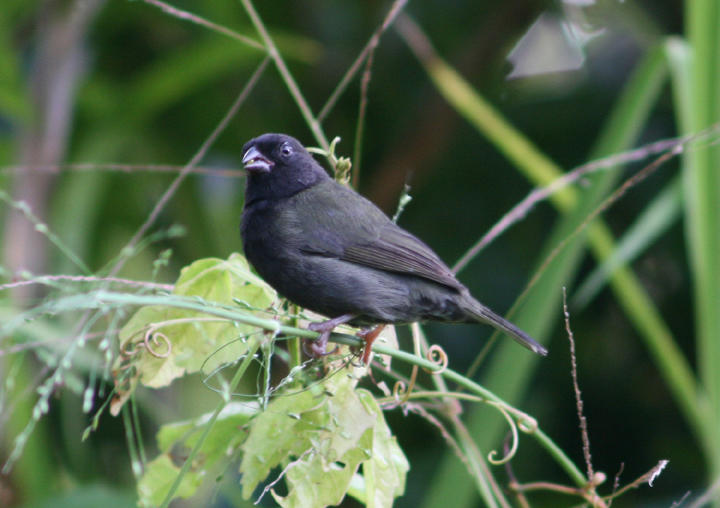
[318, 347]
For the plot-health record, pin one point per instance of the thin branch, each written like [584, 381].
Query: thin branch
[108, 301]
[186, 170]
[679, 502]
[194, 18]
[419, 410]
[519, 494]
[648, 478]
[287, 76]
[27, 392]
[124, 168]
[23, 209]
[483, 476]
[578, 395]
[362, 109]
[189, 460]
[628, 184]
[675, 146]
[395, 9]
[552, 487]
[24, 346]
[712, 493]
[667, 146]
[45, 279]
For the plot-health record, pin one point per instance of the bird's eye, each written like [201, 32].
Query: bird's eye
[286, 149]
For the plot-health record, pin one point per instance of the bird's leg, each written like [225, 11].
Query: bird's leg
[318, 347]
[369, 337]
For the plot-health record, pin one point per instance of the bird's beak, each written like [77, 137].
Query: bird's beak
[253, 160]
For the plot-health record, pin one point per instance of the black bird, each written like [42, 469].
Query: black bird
[328, 249]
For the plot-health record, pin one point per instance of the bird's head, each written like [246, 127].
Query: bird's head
[279, 166]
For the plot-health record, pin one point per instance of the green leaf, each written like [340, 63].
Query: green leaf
[281, 431]
[225, 434]
[224, 438]
[321, 437]
[182, 341]
[314, 480]
[385, 471]
[159, 475]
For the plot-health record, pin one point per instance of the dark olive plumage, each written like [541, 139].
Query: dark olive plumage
[328, 249]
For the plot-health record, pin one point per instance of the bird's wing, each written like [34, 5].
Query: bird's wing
[396, 250]
[360, 233]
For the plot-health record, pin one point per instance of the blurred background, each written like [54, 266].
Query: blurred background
[102, 103]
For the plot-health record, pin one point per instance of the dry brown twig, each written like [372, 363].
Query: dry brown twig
[595, 478]
[578, 394]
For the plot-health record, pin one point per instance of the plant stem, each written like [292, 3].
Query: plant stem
[106, 297]
[208, 426]
[287, 76]
[702, 216]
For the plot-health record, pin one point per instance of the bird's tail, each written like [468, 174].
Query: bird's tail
[481, 313]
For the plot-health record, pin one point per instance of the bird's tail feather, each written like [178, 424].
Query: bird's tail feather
[478, 311]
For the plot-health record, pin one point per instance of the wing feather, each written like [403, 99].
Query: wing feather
[397, 251]
[351, 228]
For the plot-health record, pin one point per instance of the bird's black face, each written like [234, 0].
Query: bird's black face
[278, 166]
[264, 152]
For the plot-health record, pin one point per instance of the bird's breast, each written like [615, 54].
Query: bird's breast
[270, 242]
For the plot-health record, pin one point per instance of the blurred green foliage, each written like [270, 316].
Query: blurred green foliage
[132, 85]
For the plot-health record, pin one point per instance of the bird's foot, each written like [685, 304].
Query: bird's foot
[369, 337]
[318, 347]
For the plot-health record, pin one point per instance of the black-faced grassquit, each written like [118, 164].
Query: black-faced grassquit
[328, 249]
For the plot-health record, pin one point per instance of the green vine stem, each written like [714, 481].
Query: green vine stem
[101, 298]
[209, 424]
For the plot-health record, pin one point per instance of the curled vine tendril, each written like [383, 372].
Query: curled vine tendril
[516, 420]
[400, 391]
[439, 357]
[514, 429]
[153, 339]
